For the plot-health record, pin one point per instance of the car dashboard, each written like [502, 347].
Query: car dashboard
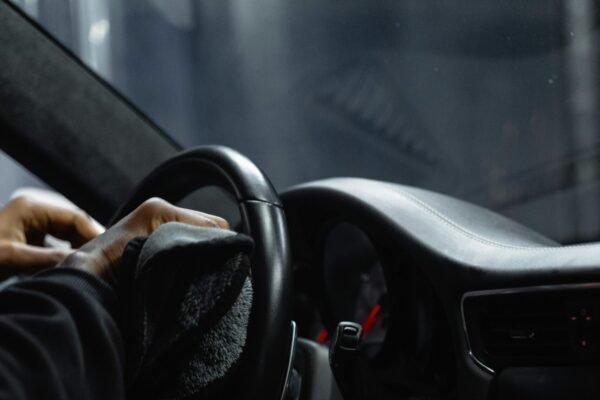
[454, 300]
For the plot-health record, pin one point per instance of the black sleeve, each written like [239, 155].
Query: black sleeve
[59, 338]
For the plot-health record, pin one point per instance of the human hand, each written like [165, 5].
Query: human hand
[103, 254]
[24, 223]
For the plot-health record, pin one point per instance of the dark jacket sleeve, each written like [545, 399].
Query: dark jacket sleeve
[59, 338]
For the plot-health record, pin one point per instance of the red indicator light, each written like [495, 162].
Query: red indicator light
[372, 319]
[583, 343]
[323, 335]
[588, 318]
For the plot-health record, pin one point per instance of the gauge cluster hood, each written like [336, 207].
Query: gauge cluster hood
[482, 246]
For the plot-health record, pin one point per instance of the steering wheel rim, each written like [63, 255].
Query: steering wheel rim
[265, 363]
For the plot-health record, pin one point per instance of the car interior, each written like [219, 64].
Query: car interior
[366, 286]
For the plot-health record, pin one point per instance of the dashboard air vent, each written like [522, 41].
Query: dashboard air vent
[534, 326]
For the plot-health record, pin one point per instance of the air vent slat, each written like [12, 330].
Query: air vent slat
[538, 328]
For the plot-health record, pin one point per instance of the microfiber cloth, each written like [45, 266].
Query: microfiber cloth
[186, 295]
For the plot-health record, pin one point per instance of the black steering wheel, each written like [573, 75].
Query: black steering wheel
[267, 356]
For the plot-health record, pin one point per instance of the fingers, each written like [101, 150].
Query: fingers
[101, 255]
[199, 219]
[157, 212]
[74, 226]
[29, 258]
[26, 220]
[39, 218]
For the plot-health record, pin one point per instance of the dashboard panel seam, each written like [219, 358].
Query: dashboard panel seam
[474, 236]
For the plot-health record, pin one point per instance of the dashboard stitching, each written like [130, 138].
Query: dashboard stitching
[484, 240]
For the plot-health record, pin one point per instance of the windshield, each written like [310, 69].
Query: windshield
[491, 101]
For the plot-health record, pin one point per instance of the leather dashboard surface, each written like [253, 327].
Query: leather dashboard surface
[459, 247]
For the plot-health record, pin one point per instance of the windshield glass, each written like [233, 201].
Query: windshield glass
[491, 101]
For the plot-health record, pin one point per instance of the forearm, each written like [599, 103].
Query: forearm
[60, 339]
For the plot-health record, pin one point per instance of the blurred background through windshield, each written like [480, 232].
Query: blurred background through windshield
[492, 101]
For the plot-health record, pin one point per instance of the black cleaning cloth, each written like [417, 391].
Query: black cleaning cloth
[186, 296]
